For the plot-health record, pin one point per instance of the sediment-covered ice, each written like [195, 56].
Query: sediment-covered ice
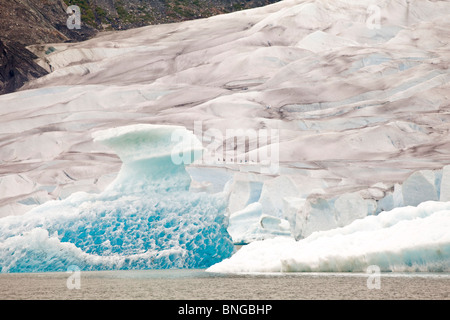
[146, 218]
[356, 100]
[404, 239]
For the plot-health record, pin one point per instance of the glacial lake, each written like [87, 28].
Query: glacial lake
[196, 284]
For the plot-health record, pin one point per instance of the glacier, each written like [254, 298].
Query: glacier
[145, 219]
[362, 112]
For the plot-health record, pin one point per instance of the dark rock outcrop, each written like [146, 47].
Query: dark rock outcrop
[27, 22]
[17, 66]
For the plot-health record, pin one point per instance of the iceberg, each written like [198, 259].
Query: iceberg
[401, 240]
[145, 219]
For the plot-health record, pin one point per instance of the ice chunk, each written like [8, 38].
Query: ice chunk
[318, 214]
[349, 207]
[419, 187]
[273, 192]
[404, 239]
[386, 203]
[398, 196]
[251, 224]
[275, 225]
[291, 207]
[146, 218]
[240, 195]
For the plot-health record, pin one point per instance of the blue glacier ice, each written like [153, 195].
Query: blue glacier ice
[145, 219]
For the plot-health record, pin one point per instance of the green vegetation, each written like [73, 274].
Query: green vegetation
[131, 14]
[123, 14]
[101, 14]
[238, 7]
[140, 14]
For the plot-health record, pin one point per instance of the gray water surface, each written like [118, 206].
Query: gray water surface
[198, 284]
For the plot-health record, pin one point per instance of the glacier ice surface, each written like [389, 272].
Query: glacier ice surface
[145, 219]
[354, 106]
